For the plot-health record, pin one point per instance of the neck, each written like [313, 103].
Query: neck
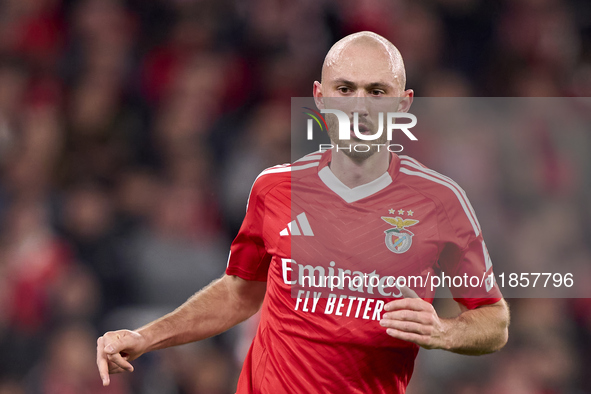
[355, 173]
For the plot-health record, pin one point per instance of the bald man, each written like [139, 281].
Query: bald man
[349, 339]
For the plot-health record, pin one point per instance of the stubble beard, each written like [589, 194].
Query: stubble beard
[348, 146]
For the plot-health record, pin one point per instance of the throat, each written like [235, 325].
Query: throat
[353, 173]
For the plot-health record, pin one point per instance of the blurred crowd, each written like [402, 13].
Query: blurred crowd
[131, 132]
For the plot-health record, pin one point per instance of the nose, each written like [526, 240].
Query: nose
[360, 105]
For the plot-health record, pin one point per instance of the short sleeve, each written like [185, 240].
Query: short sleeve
[248, 258]
[465, 261]
[472, 264]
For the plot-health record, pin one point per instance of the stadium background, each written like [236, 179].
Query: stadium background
[131, 131]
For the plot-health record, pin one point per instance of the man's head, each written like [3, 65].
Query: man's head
[369, 47]
[361, 68]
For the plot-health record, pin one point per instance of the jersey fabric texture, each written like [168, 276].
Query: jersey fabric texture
[302, 222]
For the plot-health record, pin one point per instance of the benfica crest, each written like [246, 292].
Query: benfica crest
[399, 238]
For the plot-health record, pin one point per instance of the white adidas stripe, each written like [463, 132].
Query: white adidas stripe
[409, 161]
[287, 168]
[312, 156]
[278, 169]
[293, 228]
[487, 260]
[456, 192]
[305, 225]
[414, 163]
[417, 165]
[270, 170]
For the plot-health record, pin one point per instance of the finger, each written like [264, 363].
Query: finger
[104, 371]
[418, 339]
[407, 326]
[102, 363]
[408, 292]
[113, 346]
[114, 369]
[115, 342]
[121, 362]
[408, 315]
[415, 304]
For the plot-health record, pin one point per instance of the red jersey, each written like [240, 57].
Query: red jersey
[304, 228]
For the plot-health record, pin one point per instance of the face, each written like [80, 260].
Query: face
[361, 80]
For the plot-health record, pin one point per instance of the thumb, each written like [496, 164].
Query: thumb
[407, 292]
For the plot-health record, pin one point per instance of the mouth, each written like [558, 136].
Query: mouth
[363, 129]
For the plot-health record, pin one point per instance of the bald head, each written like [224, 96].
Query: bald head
[369, 40]
[359, 69]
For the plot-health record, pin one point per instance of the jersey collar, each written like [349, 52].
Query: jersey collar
[351, 195]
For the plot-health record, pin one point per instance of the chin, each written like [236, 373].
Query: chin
[359, 156]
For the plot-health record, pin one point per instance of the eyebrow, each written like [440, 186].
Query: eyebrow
[372, 85]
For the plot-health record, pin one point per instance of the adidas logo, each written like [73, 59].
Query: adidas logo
[293, 228]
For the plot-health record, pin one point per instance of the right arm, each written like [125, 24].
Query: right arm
[219, 306]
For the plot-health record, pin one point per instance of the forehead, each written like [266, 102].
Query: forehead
[363, 63]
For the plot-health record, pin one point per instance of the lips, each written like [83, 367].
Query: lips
[363, 129]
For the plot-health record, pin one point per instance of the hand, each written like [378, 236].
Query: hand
[414, 320]
[115, 350]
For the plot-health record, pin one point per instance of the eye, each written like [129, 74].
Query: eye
[377, 92]
[344, 90]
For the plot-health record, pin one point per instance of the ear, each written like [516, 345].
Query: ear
[318, 96]
[406, 100]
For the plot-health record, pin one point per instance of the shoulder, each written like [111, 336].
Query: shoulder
[428, 180]
[438, 187]
[281, 175]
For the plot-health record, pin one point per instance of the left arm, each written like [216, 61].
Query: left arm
[473, 332]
